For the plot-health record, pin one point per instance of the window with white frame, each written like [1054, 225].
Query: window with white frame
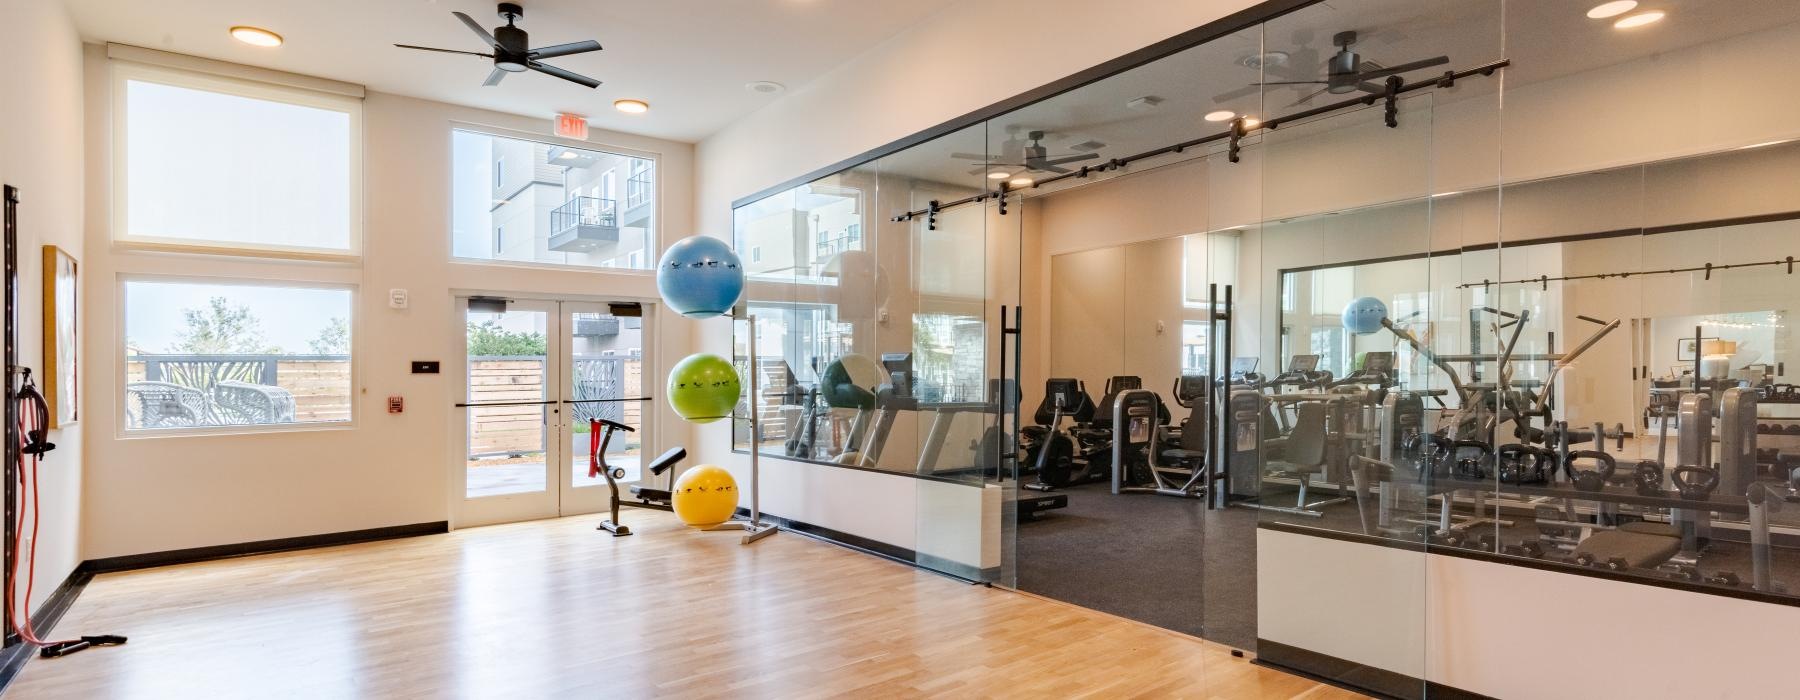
[210, 354]
[559, 204]
[218, 163]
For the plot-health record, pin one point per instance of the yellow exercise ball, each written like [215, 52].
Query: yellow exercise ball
[705, 496]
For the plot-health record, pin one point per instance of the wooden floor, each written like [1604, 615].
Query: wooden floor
[553, 608]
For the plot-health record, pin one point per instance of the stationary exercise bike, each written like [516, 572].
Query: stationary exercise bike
[600, 432]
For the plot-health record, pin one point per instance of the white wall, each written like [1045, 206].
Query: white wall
[163, 493]
[40, 153]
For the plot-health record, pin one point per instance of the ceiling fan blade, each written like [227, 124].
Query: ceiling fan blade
[566, 49]
[548, 69]
[1230, 95]
[427, 48]
[1303, 100]
[1404, 68]
[1048, 168]
[478, 29]
[1292, 82]
[1369, 87]
[494, 78]
[1070, 159]
[968, 156]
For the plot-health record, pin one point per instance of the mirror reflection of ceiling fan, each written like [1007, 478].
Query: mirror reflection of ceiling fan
[1345, 72]
[1033, 157]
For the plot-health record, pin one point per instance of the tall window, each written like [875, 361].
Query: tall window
[558, 204]
[1193, 346]
[202, 355]
[203, 161]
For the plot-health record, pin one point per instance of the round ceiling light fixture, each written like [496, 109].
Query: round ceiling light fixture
[1223, 115]
[1640, 19]
[256, 36]
[631, 106]
[764, 87]
[998, 175]
[1021, 182]
[1612, 9]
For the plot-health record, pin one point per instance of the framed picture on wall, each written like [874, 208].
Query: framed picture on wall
[1689, 348]
[61, 345]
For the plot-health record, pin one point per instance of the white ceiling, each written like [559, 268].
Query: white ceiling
[1545, 39]
[688, 58]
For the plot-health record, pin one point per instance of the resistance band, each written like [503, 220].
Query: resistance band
[34, 417]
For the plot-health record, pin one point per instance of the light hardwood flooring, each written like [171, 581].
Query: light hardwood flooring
[555, 609]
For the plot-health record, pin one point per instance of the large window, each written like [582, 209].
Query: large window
[557, 205]
[208, 354]
[218, 163]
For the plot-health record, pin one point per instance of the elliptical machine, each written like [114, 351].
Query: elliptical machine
[1059, 458]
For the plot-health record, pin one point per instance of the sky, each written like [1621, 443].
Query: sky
[291, 317]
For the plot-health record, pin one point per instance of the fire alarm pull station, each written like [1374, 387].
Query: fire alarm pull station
[396, 404]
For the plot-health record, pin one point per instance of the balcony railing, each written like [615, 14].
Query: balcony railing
[850, 240]
[584, 225]
[639, 188]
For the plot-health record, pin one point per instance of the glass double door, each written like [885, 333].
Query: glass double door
[535, 374]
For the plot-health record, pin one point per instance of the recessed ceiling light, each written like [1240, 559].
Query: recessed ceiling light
[997, 175]
[1021, 182]
[1612, 9]
[1220, 116]
[632, 106]
[766, 87]
[256, 36]
[1638, 20]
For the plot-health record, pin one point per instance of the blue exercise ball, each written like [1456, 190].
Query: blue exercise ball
[700, 277]
[1363, 316]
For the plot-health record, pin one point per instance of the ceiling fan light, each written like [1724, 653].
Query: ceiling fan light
[1021, 182]
[1640, 19]
[256, 36]
[631, 106]
[998, 175]
[1612, 9]
[1223, 115]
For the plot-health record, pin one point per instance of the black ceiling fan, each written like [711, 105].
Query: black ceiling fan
[1016, 154]
[512, 52]
[1345, 72]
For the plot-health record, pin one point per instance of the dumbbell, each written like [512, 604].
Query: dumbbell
[1686, 572]
[1591, 479]
[1694, 483]
[1724, 578]
[1524, 464]
[1524, 549]
[1648, 477]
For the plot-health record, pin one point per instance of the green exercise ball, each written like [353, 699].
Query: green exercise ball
[703, 388]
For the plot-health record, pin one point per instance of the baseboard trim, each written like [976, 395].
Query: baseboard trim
[936, 565]
[1350, 675]
[148, 560]
[13, 658]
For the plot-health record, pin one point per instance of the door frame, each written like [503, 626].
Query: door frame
[550, 502]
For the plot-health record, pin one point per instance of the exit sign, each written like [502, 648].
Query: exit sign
[570, 126]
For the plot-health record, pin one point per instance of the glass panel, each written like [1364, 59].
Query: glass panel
[508, 363]
[606, 381]
[1307, 450]
[278, 173]
[526, 201]
[208, 355]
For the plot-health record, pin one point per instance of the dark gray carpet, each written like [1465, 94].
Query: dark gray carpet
[1165, 561]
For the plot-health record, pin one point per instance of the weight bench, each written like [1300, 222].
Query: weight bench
[1634, 548]
[662, 463]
